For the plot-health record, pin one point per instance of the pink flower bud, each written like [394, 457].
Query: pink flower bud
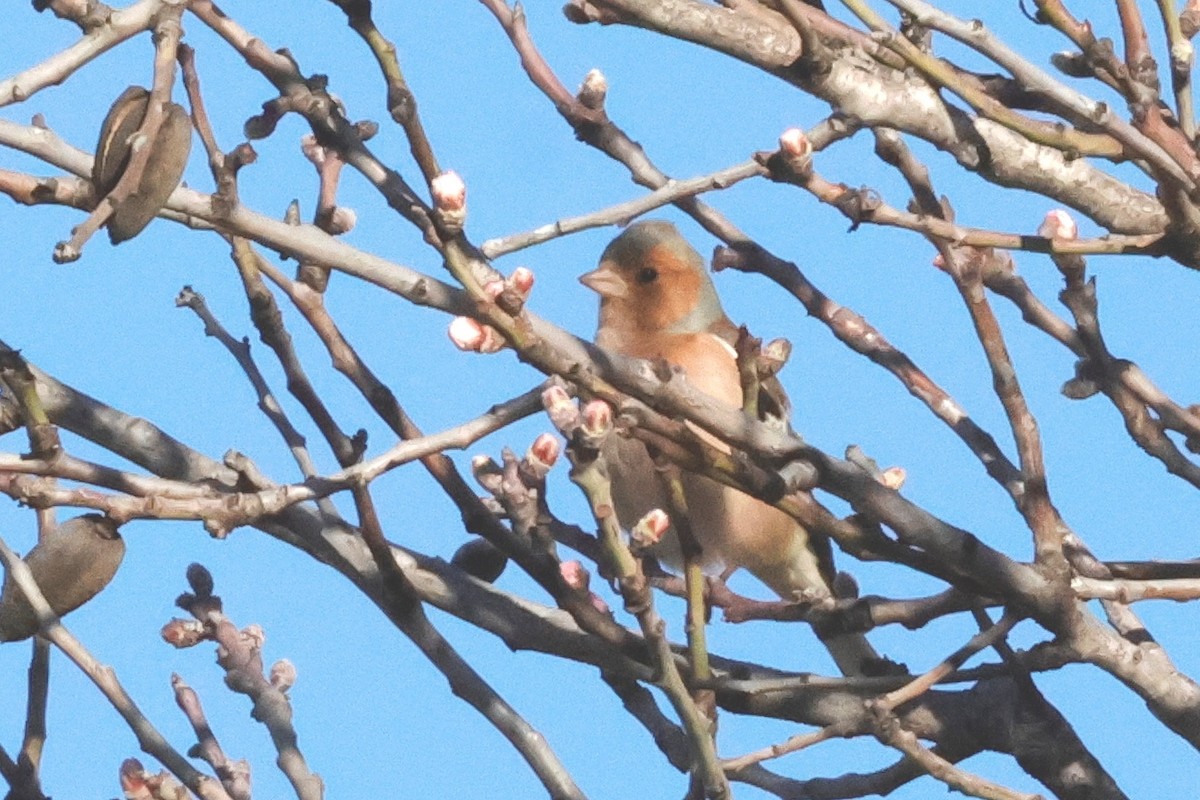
[574, 574]
[254, 635]
[314, 152]
[778, 349]
[342, 220]
[795, 144]
[467, 334]
[487, 472]
[650, 529]
[521, 281]
[597, 418]
[593, 90]
[893, 477]
[133, 778]
[182, 633]
[283, 675]
[556, 400]
[474, 337]
[939, 262]
[449, 192]
[1058, 225]
[544, 450]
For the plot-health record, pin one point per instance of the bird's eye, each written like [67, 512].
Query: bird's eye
[647, 275]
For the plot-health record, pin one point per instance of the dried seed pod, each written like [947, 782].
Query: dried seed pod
[164, 168]
[71, 565]
[112, 151]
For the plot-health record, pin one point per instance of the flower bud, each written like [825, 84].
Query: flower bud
[254, 635]
[795, 144]
[449, 192]
[796, 150]
[314, 152]
[132, 775]
[544, 450]
[466, 333]
[597, 418]
[575, 575]
[893, 477]
[521, 281]
[650, 529]
[593, 90]
[283, 675]
[181, 633]
[558, 405]
[342, 220]
[1058, 225]
[449, 202]
[598, 603]
[473, 336]
[1182, 53]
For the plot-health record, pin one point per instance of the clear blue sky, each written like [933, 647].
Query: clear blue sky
[374, 719]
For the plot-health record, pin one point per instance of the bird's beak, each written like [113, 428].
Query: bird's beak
[605, 282]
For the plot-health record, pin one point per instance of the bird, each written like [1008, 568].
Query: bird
[658, 302]
[70, 565]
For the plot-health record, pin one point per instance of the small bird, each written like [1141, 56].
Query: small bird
[657, 301]
[71, 564]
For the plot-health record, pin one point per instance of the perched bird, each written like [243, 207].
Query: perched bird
[71, 564]
[657, 301]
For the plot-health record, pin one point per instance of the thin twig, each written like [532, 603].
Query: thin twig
[267, 401]
[1129, 591]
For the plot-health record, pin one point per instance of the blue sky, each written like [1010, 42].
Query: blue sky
[373, 717]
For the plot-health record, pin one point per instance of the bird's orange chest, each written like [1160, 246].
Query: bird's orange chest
[707, 361]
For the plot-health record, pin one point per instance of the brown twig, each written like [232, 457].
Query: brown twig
[1130, 591]
[589, 472]
[239, 653]
[267, 402]
[401, 102]
[234, 775]
[926, 681]
[118, 26]
[327, 121]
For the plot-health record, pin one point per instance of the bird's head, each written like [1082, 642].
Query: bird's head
[651, 279]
